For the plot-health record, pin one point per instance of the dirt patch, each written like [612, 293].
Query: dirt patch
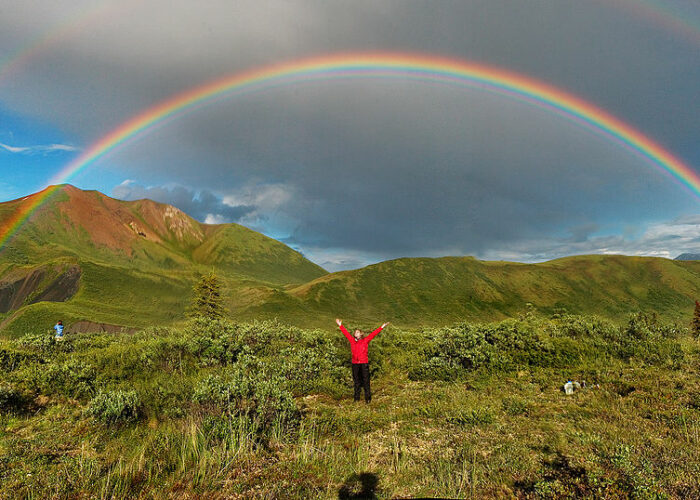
[116, 224]
[62, 288]
[31, 288]
[105, 220]
[90, 327]
[14, 293]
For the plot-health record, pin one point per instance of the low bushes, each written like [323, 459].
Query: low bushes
[72, 377]
[563, 342]
[11, 359]
[44, 343]
[248, 390]
[214, 405]
[256, 369]
[311, 364]
[466, 347]
[115, 407]
[213, 341]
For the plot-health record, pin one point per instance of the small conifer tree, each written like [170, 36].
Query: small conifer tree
[207, 301]
[695, 325]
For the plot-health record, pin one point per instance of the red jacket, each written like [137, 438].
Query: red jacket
[359, 347]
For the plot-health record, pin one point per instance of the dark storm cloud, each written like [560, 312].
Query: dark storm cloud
[372, 169]
[581, 233]
[144, 51]
[202, 205]
[455, 175]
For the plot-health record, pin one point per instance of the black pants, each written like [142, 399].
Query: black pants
[360, 377]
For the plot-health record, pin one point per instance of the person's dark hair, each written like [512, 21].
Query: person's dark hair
[60, 322]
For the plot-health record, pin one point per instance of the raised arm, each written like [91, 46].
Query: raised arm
[344, 330]
[375, 332]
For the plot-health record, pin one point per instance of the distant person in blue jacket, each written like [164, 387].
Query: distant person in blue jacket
[58, 327]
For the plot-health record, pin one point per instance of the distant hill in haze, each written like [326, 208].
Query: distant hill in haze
[101, 263]
[688, 256]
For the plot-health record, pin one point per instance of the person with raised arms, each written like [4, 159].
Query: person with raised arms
[359, 344]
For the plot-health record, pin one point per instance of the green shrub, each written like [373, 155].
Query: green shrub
[308, 369]
[114, 407]
[472, 417]
[11, 359]
[90, 341]
[576, 327]
[643, 337]
[73, 378]
[44, 343]
[517, 343]
[563, 342]
[164, 354]
[263, 336]
[249, 390]
[565, 352]
[214, 341]
[469, 347]
[464, 345]
[435, 368]
[167, 395]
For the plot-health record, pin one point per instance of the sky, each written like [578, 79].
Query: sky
[353, 171]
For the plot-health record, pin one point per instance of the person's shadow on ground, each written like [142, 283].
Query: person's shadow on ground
[359, 486]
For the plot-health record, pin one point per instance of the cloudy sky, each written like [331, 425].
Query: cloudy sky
[355, 171]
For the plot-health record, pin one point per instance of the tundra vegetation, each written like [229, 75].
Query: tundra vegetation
[264, 409]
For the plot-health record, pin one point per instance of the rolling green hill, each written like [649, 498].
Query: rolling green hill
[434, 291]
[93, 260]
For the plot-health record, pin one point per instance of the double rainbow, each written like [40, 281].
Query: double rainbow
[426, 68]
[663, 14]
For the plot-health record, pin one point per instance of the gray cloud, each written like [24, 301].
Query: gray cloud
[666, 239]
[202, 205]
[445, 176]
[142, 52]
[661, 239]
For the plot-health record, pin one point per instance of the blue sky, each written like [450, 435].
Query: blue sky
[356, 172]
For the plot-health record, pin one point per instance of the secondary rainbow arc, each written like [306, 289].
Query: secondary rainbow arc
[401, 65]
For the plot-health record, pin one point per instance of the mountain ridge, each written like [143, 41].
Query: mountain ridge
[137, 262]
[455, 288]
[137, 259]
[91, 224]
[688, 256]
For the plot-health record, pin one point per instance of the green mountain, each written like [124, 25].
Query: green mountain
[88, 258]
[436, 291]
[101, 263]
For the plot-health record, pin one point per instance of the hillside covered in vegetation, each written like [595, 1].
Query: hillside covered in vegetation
[136, 262]
[101, 264]
[264, 410]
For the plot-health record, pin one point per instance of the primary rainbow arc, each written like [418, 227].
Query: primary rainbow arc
[400, 65]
